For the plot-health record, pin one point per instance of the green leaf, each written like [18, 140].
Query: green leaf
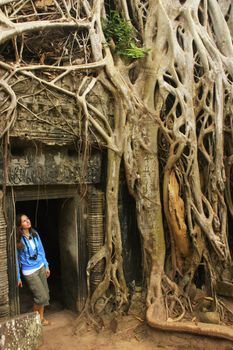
[123, 35]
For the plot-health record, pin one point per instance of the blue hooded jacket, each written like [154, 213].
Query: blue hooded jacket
[23, 255]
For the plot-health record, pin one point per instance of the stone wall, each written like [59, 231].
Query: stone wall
[35, 164]
[22, 332]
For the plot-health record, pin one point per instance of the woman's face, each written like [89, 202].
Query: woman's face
[25, 222]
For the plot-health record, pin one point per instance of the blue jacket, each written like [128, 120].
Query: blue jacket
[23, 255]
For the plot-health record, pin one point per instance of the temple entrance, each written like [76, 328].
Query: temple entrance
[45, 215]
[59, 215]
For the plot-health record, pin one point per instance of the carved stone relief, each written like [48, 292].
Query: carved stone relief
[51, 166]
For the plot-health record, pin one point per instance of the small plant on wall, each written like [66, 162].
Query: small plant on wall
[123, 35]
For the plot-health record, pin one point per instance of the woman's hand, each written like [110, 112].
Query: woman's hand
[20, 284]
[47, 272]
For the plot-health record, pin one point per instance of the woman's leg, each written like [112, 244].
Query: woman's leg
[38, 284]
[40, 309]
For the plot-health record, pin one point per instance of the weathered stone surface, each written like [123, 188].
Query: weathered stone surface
[50, 166]
[208, 317]
[22, 332]
[224, 288]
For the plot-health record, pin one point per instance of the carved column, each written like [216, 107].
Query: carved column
[4, 299]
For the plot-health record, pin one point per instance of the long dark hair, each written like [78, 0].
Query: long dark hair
[19, 232]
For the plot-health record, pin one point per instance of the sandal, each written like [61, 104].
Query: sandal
[45, 322]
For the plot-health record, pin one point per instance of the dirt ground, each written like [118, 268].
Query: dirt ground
[129, 333]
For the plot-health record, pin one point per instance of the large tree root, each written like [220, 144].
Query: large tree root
[205, 329]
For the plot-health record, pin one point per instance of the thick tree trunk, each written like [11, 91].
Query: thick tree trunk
[150, 221]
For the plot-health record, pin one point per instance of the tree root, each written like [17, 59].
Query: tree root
[87, 319]
[199, 328]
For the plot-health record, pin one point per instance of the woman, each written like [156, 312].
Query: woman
[33, 264]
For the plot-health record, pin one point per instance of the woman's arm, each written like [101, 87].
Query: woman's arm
[42, 252]
[18, 264]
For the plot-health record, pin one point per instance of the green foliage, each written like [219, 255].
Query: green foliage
[134, 51]
[123, 35]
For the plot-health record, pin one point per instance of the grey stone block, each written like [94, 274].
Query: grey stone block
[22, 332]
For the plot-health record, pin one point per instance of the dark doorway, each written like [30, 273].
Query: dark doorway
[44, 215]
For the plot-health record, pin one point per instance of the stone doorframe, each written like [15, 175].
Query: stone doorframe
[27, 193]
